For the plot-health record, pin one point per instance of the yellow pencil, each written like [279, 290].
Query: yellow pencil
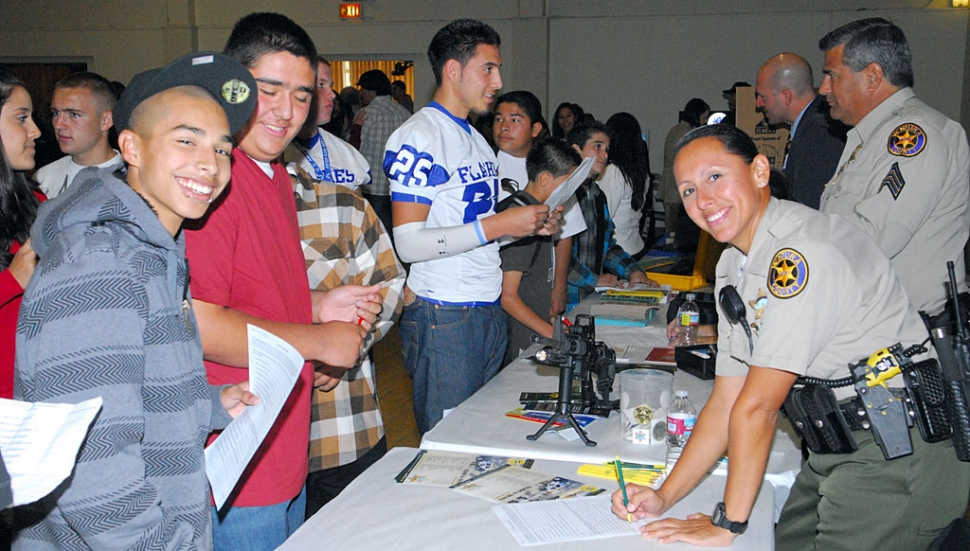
[619, 476]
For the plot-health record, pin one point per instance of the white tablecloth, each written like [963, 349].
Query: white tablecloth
[479, 424]
[375, 513]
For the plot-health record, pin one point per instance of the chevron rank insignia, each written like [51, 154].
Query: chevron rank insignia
[894, 181]
[907, 140]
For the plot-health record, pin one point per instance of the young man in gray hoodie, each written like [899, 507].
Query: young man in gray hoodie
[108, 313]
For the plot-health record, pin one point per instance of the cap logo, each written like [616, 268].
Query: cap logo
[202, 60]
[235, 91]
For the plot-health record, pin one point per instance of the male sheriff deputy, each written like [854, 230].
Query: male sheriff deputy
[904, 176]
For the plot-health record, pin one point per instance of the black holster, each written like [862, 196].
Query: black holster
[826, 425]
[927, 399]
[815, 415]
[952, 362]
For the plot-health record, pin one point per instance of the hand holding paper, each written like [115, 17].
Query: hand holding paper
[274, 367]
[236, 398]
[559, 196]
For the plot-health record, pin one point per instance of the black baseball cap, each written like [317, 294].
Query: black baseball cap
[228, 81]
[374, 80]
[738, 84]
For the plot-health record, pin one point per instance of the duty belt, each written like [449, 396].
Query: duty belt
[854, 411]
[826, 425]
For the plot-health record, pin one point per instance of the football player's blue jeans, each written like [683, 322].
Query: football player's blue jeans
[450, 352]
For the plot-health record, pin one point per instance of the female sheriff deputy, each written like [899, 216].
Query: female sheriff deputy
[816, 295]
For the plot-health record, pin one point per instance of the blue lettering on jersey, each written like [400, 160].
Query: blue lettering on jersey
[480, 198]
[413, 168]
[477, 172]
[342, 176]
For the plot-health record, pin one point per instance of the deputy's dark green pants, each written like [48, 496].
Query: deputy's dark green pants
[861, 502]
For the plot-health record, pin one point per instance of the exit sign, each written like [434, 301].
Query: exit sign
[350, 11]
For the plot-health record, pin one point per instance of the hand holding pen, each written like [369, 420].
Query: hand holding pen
[633, 502]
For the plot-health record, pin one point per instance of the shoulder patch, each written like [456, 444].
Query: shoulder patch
[907, 140]
[788, 274]
[894, 181]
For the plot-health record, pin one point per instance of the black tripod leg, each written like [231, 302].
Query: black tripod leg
[568, 418]
[579, 430]
[544, 428]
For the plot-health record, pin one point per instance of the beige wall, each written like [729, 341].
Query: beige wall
[645, 57]
[651, 66]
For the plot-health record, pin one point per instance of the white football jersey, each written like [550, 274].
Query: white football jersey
[330, 159]
[439, 160]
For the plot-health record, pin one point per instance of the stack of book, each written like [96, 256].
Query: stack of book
[629, 304]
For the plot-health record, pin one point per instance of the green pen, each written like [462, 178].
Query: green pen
[619, 476]
[645, 466]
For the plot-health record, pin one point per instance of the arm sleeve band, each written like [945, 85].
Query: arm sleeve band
[415, 242]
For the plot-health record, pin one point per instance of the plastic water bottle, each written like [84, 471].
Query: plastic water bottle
[689, 317]
[680, 423]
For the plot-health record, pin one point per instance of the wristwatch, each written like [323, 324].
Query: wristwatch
[719, 519]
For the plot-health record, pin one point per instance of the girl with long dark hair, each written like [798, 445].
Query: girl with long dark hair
[626, 180]
[19, 198]
[565, 118]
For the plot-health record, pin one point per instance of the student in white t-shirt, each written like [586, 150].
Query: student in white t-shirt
[518, 124]
[81, 116]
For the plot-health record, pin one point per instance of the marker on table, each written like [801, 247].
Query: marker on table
[647, 466]
[619, 476]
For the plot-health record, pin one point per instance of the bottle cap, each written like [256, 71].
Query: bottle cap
[690, 297]
[681, 393]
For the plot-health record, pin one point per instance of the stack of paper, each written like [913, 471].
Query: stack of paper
[510, 484]
[434, 468]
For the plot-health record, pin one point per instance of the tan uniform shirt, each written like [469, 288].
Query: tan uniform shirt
[818, 294]
[668, 184]
[904, 178]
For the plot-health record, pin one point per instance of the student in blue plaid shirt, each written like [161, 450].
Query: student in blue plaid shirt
[597, 260]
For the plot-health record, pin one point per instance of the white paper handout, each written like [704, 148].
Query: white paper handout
[274, 367]
[566, 190]
[40, 443]
[432, 468]
[584, 518]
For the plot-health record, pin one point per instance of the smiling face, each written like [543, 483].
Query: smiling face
[479, 79]
[597, 147]
[286, 86]
[722, 194]
[844, 89]
[80, 123]
[178, 150]
[566, 119]
[18, 130]
[513, 129]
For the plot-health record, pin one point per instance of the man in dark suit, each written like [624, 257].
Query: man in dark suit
[786, 95]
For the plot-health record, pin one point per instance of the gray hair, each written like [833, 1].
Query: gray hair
[874, 40]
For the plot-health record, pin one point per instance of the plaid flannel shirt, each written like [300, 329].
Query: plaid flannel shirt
[595, 250]
[377, 122]
[345, 243]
